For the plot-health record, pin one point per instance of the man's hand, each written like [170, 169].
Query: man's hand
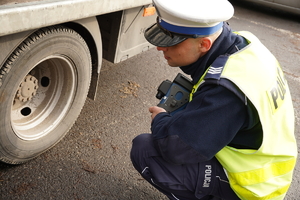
[155, 110]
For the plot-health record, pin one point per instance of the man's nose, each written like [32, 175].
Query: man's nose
[161, 48]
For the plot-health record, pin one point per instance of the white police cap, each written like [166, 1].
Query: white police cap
[181, 19]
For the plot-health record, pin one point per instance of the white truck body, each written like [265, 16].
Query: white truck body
[50, 60]
[16, 18]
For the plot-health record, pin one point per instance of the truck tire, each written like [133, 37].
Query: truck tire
[43, 87]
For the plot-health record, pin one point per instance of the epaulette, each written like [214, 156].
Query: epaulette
[213, 76]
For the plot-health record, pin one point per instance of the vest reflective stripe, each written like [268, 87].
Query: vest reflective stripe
[276, 195]
[263, 174]
[266, 173]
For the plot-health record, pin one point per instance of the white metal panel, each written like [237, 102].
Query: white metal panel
[131, 36]
[25, 16]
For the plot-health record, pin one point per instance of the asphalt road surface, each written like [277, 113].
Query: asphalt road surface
[92, 161]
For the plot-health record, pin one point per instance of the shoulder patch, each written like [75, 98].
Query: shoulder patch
[216, 68]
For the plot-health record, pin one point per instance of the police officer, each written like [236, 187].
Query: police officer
[235, 139]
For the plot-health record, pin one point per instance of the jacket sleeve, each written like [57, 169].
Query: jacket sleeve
[209, 123]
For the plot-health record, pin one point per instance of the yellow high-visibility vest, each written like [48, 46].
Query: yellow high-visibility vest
[266, 173]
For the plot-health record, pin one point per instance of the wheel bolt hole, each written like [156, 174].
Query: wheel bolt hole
[45, 81]
[26, 111]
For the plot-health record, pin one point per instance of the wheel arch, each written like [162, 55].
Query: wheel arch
[89, 30]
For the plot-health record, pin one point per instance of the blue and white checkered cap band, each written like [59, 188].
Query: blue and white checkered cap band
[201, 31]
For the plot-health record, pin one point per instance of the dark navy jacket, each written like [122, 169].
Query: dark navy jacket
[215, 118]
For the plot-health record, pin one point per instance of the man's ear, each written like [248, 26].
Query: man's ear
[205, 44]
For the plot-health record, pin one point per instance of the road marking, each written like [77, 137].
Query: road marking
[289, 33]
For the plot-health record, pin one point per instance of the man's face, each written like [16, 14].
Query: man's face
[184, 53]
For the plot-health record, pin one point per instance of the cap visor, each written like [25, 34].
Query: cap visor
[157, 37]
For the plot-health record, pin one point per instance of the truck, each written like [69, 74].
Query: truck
[50, 61]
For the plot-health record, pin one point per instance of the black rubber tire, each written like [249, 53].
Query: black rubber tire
[43, 87]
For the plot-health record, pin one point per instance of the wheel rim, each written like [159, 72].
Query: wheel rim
[43, 97]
